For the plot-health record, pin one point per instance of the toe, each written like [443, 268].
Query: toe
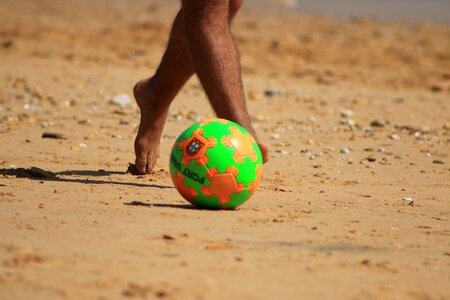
[141, 158]
[141, 165]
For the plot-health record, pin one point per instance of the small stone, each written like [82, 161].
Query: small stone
[282, 152]
[311, 119]
[377, 123]
[275, 136]
[121, 100]
[408, 200]
[84, 122]
[345, 113]
[371, 159]
[168, 237]
[53, 135]
[120, 112]
[436, 88]
[446, 126]
[394, 136]
[82, 145]
[7, 44]
[438, 162]
[272, 93]
[345, 150]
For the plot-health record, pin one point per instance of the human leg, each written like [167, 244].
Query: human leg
[154, 95]
[216, 61]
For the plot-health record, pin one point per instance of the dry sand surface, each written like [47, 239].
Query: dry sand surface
[357, 114]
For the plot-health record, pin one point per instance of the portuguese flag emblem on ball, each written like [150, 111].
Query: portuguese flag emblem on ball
[216, 163]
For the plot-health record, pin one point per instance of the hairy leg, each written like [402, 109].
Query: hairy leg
[154, 95]
[216, 61]
[215, 57]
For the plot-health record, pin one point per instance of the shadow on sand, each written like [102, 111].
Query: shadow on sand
[181, 206]
[43, 175]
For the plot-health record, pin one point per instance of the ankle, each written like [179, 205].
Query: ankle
[149, 91]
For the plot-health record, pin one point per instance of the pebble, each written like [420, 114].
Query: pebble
[168, 237]
[121, 100]
[439, 162]
[394, 136]
[82, 145]
[272, 93]
[282, 152]
[275, 136]
[7, 44]
[377, 123]
[53, 135]
[436, 88]
[345, 113]
[120, 112]
[345, 150]
[408, 200]
[311, 119]
[84, 122]
[446, 126]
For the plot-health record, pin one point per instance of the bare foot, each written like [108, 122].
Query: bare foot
[154, 108]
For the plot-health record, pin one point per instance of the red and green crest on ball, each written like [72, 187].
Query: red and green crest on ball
[216, 163]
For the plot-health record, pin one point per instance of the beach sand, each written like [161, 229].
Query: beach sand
[357, 116]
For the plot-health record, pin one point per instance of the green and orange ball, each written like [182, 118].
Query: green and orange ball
[216, 164]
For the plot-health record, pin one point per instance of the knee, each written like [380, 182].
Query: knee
[234, 6]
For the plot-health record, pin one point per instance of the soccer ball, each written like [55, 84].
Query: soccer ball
[216, 164]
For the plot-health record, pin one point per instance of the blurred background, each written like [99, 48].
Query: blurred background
[409, 10]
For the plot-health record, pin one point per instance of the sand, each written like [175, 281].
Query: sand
[357, 116]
